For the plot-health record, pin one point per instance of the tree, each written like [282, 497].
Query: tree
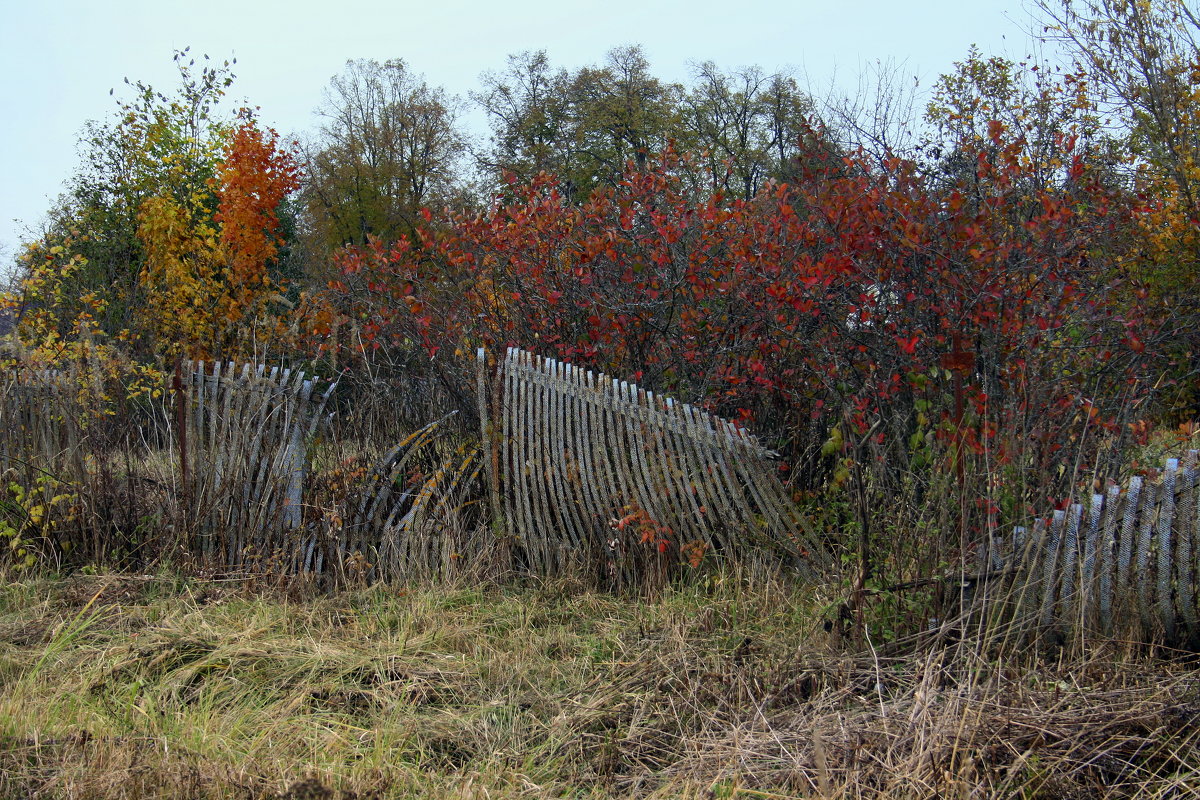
[389, 145]
[208, 275]
[86, 268]
[1033, 110]
[837, 296]
[582, 127]
[166, 243]
[1145, 54]
[622, 114]
[748, 126]
[530, 113]
[879, 117]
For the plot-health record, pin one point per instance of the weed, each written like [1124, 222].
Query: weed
[161, 686]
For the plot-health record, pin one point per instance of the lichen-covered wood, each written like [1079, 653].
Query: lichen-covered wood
[575, 451]
[1126, 562]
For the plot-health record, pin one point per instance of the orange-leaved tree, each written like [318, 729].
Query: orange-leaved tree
[208, 258]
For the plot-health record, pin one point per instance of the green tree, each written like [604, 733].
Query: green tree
[747, 126]
[529, 109]
[389, 145]
[583, 127]
[1036, 110]
[1145, 54]
[622, 114]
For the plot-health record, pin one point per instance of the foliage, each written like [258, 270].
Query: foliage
[998, 312]
[165, 241]
[743, 127]
[388, 145]
[86, 268]
[207, 274]
[748, 127]
[583, 126]
[28, 518]
[842, 294]
[1145, 57]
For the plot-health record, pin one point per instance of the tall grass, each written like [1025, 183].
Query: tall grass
[121, 687]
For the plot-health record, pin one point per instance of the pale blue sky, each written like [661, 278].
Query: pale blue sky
[59, 58]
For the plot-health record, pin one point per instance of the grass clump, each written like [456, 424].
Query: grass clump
[132, 687]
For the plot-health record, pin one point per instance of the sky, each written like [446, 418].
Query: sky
[60, 58]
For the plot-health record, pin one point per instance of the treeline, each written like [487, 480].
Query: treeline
[1012, 284]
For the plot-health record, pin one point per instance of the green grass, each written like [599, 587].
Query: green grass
[134, 687]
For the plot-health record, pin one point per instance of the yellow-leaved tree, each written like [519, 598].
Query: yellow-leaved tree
[207, 270]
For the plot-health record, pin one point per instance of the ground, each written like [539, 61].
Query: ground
[730, 686]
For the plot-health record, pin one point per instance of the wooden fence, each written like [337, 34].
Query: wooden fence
[244, 460]
[219, 470]
[407, 528]
[574, 453]
[1127, 562]
[56, 463]
[42, 427]
[570, 457]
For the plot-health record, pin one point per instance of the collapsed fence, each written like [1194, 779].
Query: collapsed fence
[581, 468]
[1128, 562]
[227, 467]
[576, 454]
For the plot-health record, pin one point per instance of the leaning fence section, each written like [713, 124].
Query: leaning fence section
[575, 454]
[1127, 561]
[243, 435]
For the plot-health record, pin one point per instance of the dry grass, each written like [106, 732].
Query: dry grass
[127, 687]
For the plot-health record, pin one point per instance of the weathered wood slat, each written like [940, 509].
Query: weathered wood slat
[710, 512]
[1131, 566]
[1182, 567]
[554, 445]
[531, 471]
[1088, 592]
[527, 531]
[1050, 567]
[579, 449]
[591, 495]
[1108, 557]
[611, 438]
[514, 513]
[1144, 542]
[1166, 515]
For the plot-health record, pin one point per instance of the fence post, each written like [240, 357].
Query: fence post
[490, 454]
[183, 500]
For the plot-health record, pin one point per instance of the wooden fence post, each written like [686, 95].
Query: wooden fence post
[491, 455]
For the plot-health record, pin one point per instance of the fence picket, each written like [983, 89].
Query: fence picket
[580, 447]
[1166, 515]
[1107, 564]
[1184, 578]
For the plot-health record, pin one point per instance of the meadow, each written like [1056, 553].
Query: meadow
[737, 686]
